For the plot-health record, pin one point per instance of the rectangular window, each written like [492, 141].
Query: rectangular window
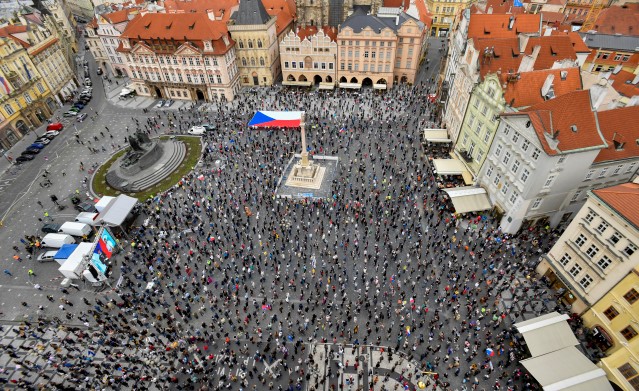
[602, 227]
[581, 240]
[9, 110]
[285, 64]
[615, 237]
[535, 154]
[497, 180]
[294, 64]
[504, 188]
[301, 64]
[575, 270]
[590, 174]
[617, 170]
[219, 79]
[536, 204]
[565, 259]
[585, 281]
[630, 374]
[630, 249]
[506, 158]
[513, 198]
[603, 172]
[525, 145]
[604, 262]
[629, 333]
[592, 251]
[575, 196]
[498, 149]
[524, 175]
[549, 181]
[515, 137]
[487, 136]
[489, 171]
[631, 296]
[515, 166]
[630, 168]
[611, 313]
[590, 216]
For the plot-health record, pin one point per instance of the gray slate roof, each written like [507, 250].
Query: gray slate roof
[611, 41]
[358, 21]
[251, 12]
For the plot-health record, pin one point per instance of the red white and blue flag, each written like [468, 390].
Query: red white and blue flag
[278, 119]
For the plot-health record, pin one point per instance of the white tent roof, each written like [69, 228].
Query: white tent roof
[547, 333]
[117, 211]
[567, 369]
[449, 166]
[436, 136]
[103, 203]
[469, 199]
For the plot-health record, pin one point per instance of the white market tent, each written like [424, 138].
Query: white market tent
[449, 166]
[556, 363]
[436, 136]
[117, 210]
[76, 263]
[103, 203]
[567, 369]
[547, 333]
[469, 199]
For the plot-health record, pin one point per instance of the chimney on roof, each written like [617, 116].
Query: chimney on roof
[635, 81]
[490, 10]
[527, 63]
[397, 20]
[511, 22]
[617, 69]
[634, 101]
[597, 95]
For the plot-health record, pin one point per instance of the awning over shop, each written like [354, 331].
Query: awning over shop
[547, 333]
[567, 369]
[326, 86]
[350, 85]
[379, 86]
[297, 83]
[117, 211]
[449, 166]
[436, 136]
[468, 199]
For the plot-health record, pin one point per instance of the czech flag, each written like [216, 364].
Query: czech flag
[278, 119]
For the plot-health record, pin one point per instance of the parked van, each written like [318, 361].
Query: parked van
[75, 229]
[57, 240]
[87, 218]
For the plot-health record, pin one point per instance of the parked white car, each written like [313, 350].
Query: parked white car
[197, 130]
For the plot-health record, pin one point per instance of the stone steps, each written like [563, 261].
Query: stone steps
[179, 152]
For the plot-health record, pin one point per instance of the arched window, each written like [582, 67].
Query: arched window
[241, 44]
[262, 61]
[259, 43]
[252, 61]
[250, 44]
[243, 61]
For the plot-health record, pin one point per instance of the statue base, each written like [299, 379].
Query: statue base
[309, 176]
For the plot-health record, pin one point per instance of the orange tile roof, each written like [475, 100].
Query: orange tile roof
[192, 27]
[619, 126]
[497, 7]
[552, 18]
[220, 8]
[618, 20]
[526, 91]
[93, 23]
[117, 16]
[424, 16]
[9, 30]
[622, 83]
[553, 48]
[496, 25]
[624, 199]
[506, 55]
[558, 116]
[307, 32]
[394, 3]
[284, 11]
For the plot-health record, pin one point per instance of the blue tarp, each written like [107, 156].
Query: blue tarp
[65, 251]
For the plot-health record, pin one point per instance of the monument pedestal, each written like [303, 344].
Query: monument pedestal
[306, 174]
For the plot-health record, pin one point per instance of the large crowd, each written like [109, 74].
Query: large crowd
[383, 262]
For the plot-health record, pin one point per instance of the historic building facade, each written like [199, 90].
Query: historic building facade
[331, 12]
[180, 56]
[308, 56]
[380, 50]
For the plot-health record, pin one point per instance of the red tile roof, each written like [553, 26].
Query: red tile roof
[558, 117]
[424, 16]
[622, 82]
[552, 18]
[618, 20]
[284, 10]
[496, 25]
[395, 3]
[220, 8]
[93, 23]
[497, 7]
[117, 16]
[307, 32]
[619, 126]
[553, 48]
[526, 91]
[44, 47]
[624, 199]
[192, 27]
[10, 30]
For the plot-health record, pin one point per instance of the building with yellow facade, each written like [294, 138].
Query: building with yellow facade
[614, 323]
[25, 100]
[443, 13]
